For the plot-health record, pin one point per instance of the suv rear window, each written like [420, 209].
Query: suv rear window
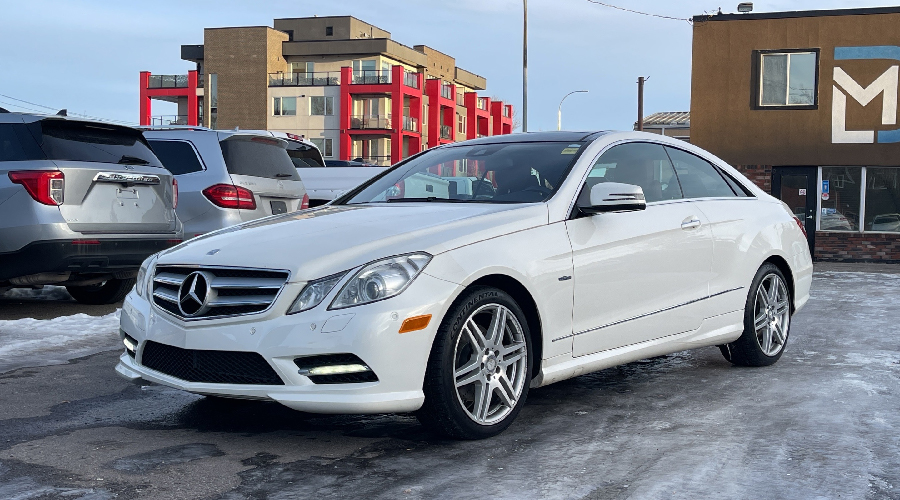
[177, 156]
[17, 144]
[95, 142]
[258, 157]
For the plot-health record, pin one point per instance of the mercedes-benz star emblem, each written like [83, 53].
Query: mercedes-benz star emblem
[194, 294]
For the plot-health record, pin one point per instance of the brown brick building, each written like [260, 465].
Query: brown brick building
[805, 104]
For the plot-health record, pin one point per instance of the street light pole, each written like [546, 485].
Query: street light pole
[525, 66]
[559, 111]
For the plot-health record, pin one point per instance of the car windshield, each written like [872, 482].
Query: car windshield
[525, 172]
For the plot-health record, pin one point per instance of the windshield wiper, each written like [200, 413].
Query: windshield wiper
[132, 160]
[428, 199]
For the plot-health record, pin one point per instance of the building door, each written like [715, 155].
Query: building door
[797, 187]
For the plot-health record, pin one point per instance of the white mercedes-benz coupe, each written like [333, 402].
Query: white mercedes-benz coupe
[465, 275]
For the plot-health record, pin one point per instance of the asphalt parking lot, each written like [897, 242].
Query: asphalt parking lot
[822, 423]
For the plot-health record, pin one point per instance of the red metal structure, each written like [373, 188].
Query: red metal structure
[169, 86]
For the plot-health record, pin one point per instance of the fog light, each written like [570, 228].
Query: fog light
[334, 370]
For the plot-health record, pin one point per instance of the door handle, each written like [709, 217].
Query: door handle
[810, 216]
[691, 222]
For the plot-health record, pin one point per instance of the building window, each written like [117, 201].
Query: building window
[321, 106]
[213, 99]
[841, 187]
[788, 78]
[284, 106]
[882, 198]
[329, 30]
[460, 123]
[326, 146]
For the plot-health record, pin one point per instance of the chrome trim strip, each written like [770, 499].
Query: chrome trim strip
[126, 178]
[243, 300]
[251, 283]
[646, 315]
[169, 279]
[166, 295]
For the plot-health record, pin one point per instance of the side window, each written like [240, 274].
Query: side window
[638, 163]
[698, 178]
[17, 144]
[178, 157]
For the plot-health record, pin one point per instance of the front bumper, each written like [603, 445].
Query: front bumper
[369, 332]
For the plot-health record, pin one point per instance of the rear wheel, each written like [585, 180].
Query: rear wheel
[479, 369]
[767, 321]
[108, 292]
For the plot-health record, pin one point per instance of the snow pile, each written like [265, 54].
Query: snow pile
[40, 342]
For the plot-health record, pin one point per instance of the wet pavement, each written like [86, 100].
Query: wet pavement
[822, 423]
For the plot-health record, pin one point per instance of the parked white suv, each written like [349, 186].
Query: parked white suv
[227, 177]
[572, 253]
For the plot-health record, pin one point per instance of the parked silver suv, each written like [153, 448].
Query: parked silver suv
[227, 177]
[82, 204]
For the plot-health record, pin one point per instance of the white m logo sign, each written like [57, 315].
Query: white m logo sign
[885, 84]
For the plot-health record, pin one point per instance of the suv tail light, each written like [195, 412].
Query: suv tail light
[230, 196]
[174, 193]
[304, 203]
[45, 186]
[802, 226]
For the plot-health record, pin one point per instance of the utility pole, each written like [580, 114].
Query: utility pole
[640, 122]
[525, 66]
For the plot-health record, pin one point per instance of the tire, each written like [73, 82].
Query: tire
[108, 292]
[465, 351]
[766, 326]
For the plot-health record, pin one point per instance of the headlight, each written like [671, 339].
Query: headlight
[314, 293]
[381, 280]
[142, 285]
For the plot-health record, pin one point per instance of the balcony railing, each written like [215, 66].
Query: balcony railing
[446, 130]
[318, 79]
[371, 77]
[411, 79]
[168, 82]
[380, 160]
[166, 120]
[446, 91]
[411, 123]
[481, 103]
[370, 122]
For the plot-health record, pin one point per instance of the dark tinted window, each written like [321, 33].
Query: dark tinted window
[178, 157]
[737, 187]
[306, 158]
[80, 141]
[494, 173]
[699, 179]
[259, 157]
[637, 163]
[17, 144]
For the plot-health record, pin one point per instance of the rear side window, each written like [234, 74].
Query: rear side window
[306, 158]
[178, 157]
[698, 178]
[17, 144]
[80, 141]
[258, 157]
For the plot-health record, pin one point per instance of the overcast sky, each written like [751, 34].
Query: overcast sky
[85, 55]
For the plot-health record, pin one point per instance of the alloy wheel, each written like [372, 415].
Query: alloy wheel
[771, 314]
[490, 363]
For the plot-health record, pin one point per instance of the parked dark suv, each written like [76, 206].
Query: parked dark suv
[82, 204]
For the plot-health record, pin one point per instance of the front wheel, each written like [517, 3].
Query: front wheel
[108, 292]
[479, 370]
[767, 321]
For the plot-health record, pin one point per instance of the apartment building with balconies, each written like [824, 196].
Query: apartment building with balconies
[338, 81]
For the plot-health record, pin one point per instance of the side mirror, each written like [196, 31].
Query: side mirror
[615, 197]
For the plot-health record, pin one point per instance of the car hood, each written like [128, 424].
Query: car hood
[330, 239]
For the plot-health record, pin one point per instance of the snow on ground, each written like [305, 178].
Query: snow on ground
[40, 342]
[45, 293]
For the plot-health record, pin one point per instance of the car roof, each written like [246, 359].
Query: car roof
[564, 136]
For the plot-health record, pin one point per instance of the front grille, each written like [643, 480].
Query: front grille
[309, 362]
[214, 367]
[230, 292]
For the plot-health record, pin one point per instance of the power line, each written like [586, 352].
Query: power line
[81, 115]
[689, 21]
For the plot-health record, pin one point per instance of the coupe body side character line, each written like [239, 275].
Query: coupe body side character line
[565, 253]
